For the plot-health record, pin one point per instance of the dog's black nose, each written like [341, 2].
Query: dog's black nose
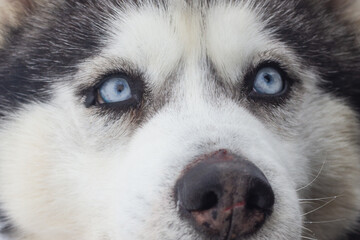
[224, 196]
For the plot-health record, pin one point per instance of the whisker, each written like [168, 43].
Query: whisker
[322, 206]
[328, 221]
[320, 199]
[308, 230]
[317, 176]
[310, 238]
[310, 234]
[303, 202]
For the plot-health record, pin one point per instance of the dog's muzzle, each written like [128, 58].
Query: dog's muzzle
[224, 196]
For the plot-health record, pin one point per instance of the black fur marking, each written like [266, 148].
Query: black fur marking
[49, 48]
[70, 32]
[325, 41]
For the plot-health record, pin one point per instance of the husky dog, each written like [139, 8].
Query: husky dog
[179, 119]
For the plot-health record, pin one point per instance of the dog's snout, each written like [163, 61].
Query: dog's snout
[224, 196]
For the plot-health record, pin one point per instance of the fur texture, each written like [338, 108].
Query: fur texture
[70, 169]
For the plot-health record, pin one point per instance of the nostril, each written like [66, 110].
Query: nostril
[260, 195]
[224, 196]
[208, 201]
[200, 188]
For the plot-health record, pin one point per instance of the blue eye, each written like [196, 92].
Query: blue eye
[268, 81]
[114, 90]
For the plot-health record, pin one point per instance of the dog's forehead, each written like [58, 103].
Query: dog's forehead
[56, 40]
[161, 40]
[236, 30]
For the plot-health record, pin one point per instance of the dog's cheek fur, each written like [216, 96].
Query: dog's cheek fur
[330, 140]
[53, 164]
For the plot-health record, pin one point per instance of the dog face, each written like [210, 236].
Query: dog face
[180, 120]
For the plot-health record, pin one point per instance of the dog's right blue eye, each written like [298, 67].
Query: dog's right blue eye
[114, 90]
[268, 81]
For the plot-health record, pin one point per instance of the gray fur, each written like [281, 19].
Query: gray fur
[52, 60]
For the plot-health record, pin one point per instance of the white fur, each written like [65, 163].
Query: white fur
[68, 173]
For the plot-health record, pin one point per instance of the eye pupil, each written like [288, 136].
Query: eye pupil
[268, 78]
[120, 88]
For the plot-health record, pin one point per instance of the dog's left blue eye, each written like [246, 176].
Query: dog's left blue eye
[115, 89]
[268, 81]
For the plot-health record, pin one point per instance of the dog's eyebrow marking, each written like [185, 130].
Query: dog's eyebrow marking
[41, 53]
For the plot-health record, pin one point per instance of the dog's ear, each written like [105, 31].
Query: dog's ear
[12, 12]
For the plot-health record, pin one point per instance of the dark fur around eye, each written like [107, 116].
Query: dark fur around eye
[276, 99]
[137, 89]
